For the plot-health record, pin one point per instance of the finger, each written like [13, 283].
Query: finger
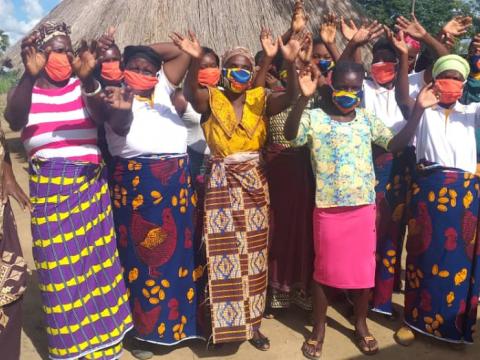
[414, 18]
[280, 42]
[180, 36]
[111, 31]
[352, 24]
[192, 35]
[93, 47]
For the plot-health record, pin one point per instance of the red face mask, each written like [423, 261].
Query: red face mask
[209, 76]
[111, 71]
[58, 67]
[139, 81]
[449, 90]
[383, 72]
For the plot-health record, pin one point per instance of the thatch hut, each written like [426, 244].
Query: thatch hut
[218, 23]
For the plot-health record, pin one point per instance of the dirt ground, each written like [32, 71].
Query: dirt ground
[286, 332]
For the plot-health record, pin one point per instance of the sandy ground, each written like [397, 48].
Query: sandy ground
[286, 332]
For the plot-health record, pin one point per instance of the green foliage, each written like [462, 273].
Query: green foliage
[4, 41]
[7, 80]
[432, 14]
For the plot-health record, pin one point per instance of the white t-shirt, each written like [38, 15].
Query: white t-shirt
[195, 136]
[449, 141]
[154, 130]
[417, 82]
[381, 102]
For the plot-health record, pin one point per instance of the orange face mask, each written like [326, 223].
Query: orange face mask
[111, 71]
[383, 72]
[58, 67]
[449, 90]
[209, 76]
[139, 81]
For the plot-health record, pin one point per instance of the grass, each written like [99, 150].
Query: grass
[7, 80]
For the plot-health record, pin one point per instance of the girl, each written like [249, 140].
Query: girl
[74, 244]
[339, 138]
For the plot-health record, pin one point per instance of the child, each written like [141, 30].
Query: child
[340, 137]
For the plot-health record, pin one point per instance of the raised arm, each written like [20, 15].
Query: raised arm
[349, 29]
[362, 37]
[175, 61]
[195, 94]
[19, 98]
[307, 82]
[328, 33]
[270, 49]
[427, 98]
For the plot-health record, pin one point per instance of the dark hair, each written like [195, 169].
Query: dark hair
[258, 57]
[144, 52]
[343, 67]
[317, 41]
[383, 44]
[209, 51]
[277, 60]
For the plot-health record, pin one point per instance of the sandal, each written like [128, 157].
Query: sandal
[368, 345]
[262, 343]
[318, 350]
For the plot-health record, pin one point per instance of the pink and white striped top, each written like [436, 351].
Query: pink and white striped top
[59, 125]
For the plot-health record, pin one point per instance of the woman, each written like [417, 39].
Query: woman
[443, 251]
[236, 225]
[74, 244]
[153, 199]
[339, 137]
[12, 265]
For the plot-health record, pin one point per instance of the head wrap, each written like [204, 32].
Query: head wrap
[238, 51]
[451, 62]
[50, 29]
[412, 43]
[144, 52]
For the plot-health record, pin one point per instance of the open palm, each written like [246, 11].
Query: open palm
[292, 48]
[33, 60]
[188, 44]
[349, 29]
[269, 46]
[412, 28]
[428, 97]
[85, 61]
[328, 29]
[398, 41]
[458, 25]
[308, 80]
[367, 33]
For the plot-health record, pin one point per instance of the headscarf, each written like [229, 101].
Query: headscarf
[50, 29]
[451, 62]
[239, 50]
[144, 52]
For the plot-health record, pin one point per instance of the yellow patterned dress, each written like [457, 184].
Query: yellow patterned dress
[236, 216]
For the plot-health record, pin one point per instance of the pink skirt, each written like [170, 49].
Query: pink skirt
[345, 243]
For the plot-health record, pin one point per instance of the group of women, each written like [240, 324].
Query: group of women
[167, 213]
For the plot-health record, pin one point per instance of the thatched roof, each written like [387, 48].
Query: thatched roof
[219, 24]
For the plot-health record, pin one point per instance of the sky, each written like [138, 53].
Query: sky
[17, 17]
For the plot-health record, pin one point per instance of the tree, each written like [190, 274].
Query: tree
[431, 13]
[4, 42]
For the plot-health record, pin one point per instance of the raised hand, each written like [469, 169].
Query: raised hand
[367, 33]
[308, 80]
[457, 26]
[85, 60]
[428, 97]
[189, 45]
[299, 17]
[292, 48]
[33, 60]
[306, 51]
[476, 44]
[269, 45]
[448, 40]
[107, 39]
[118, 98]
[349, 29]
[398, 41]
[412, 28]
[328, 29]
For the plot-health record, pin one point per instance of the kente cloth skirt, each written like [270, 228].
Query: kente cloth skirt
[292, 192]
[393, 173]
[345, 241]
[443, 255]
[154, 203]
[236, 236]
[75, 251]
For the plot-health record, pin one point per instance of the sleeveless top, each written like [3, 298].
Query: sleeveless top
[227, 135]
[59, 125]
[195, 138]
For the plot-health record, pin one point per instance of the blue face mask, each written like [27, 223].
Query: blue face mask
[325, 65]
[346, 101]
[475, 64]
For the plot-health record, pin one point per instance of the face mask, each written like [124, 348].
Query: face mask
[325, 65]
[237, 80]
[58, 67]
[475, 66]
[139, 81]
[346, 101]
[449, 90]
[111, 71]
[383, 72]
[209, 77]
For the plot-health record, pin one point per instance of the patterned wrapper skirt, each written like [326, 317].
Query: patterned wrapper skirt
[443, 253]
[74, 246]
[153, 205]
[291, 185]
[393, 175]
[236, 236]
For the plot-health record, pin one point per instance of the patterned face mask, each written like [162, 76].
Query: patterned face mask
[346, 101]
[236, 80]
[325, 65]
